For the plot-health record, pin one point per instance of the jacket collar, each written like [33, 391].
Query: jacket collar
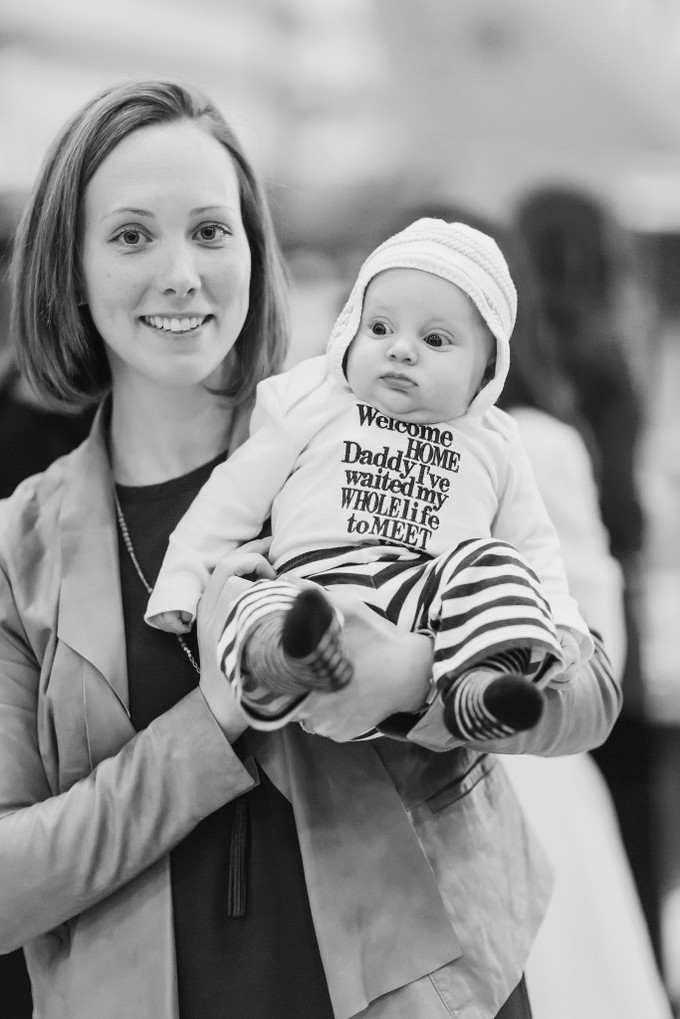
[90, 605]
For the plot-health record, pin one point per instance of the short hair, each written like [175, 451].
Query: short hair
[59, 349]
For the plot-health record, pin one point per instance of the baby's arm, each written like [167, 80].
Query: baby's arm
[229, 509]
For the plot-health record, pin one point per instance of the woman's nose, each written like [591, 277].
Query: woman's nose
[402, 349]
[178, 273]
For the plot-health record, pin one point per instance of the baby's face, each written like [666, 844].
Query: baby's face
[421, 348]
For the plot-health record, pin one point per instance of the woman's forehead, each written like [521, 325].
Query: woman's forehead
[179, 158]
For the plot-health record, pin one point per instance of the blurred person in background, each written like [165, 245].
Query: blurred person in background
[580, 258]
[32, 434]
[156, 858]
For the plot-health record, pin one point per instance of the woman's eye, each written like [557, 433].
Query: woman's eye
[130, 237]
[436, 340]
[211, 232]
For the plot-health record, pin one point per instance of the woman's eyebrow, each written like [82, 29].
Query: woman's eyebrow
[210, 208]
[128, 210]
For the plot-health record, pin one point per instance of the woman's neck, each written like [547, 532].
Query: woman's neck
[166, 433]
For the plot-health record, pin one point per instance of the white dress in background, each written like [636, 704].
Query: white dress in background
[593, 958]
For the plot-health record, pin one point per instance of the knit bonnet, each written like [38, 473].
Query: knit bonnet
[459, 253]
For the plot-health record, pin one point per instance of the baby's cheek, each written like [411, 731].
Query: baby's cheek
[354, 372]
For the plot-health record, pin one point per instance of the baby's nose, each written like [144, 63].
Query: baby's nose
[402, 349]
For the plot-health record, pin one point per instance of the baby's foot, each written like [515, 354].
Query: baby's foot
[493, 699]
[279, 644]
[312, 641]
[299, 649]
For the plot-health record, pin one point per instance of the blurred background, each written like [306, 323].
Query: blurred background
[356, 111]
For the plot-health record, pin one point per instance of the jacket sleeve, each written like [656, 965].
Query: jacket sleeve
[578, 715]
[63, 851]
[229, 509]
[522, 520]
[564, 475]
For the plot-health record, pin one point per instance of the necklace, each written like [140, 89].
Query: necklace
[127, 541]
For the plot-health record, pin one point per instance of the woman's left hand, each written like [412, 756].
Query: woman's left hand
[392, 672]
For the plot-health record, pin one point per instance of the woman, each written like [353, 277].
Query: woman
[156, 859]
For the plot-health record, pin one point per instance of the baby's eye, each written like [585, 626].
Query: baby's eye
[211, 232]
[437, 340]
[378, 328]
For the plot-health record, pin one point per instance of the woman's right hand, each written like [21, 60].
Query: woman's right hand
[224, 585]
[392, 674]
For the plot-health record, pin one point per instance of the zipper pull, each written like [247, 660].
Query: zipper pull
[236, 879]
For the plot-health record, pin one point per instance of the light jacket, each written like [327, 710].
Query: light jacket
[426, 886]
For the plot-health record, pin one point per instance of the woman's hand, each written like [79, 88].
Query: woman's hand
[224, 586]
[250, 559]
[213, 608]
[392, 672]
[561, 673]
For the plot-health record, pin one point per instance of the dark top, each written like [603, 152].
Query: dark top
[265, 964]
[32, 438]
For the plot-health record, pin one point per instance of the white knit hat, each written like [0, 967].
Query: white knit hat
[466, 257]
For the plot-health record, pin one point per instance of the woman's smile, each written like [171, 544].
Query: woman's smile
[179, 325]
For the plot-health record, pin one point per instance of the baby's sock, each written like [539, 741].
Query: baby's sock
[290, 651]
[493, 699]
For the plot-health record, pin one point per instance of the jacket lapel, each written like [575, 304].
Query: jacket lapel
[90, 608]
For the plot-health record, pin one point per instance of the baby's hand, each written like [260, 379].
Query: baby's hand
[172, 622]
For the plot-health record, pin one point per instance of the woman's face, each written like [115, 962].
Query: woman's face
[165, 257]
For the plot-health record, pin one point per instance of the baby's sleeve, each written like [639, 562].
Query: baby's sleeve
[229, 509]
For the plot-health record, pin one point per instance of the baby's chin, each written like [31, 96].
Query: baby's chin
[412, 413]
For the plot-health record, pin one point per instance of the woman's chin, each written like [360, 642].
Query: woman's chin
[200, 371]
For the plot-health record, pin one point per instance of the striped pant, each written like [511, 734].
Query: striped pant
[478, 600]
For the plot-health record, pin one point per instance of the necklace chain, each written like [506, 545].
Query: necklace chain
[127, 541]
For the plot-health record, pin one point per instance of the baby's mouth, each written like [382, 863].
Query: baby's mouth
[175, 323]
[395, 380]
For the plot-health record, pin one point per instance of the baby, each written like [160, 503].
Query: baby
[386, 469]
